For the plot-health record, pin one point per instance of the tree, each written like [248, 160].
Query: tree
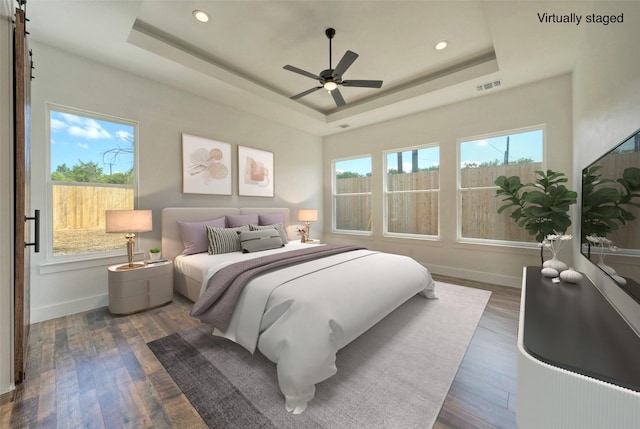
[89, 172]
[347, 175]
[62, 174]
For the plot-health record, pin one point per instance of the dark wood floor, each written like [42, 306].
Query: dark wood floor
[94, 370]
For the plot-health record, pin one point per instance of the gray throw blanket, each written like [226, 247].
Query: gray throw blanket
[215, 306]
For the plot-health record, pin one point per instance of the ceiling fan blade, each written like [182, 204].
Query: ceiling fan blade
[363, 83]
[337, 97]
[346, 61]
[308, 91]
[302, 72]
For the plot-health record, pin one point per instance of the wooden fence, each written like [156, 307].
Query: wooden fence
[417, 212]
[83, 207]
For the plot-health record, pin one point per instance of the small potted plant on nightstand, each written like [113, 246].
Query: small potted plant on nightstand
[154, 253]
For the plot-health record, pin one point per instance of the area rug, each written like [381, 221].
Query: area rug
[396, 375]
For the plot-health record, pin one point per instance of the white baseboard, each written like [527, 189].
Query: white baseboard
[48, 312]
[480, 276]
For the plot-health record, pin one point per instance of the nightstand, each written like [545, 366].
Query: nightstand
[141, 288]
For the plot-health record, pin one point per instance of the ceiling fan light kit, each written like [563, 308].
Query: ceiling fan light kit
[331, 78]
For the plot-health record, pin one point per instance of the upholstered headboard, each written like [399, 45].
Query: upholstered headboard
[172, 242]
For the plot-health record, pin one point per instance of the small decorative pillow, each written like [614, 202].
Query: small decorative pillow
[194, 234]
[224, 240]
[277, 226]
[272, 219]
[255, 241]
[234, 221]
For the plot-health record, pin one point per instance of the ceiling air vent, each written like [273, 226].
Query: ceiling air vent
[488, 85]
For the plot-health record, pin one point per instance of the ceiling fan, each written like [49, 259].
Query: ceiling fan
[330, 79]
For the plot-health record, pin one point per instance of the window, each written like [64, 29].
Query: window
[92, 169]
[411, 190]
[482, 160]
[352, 195]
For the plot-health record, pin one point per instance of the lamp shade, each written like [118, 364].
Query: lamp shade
[308, 215]
[128, 221]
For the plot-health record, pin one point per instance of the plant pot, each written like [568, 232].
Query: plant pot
[155, 256]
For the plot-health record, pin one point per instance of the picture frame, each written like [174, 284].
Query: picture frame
[255, 172]
[206, 166]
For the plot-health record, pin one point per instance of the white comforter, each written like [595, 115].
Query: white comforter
[300, 316]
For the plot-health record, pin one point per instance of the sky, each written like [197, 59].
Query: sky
[521, 145]
[82, 138]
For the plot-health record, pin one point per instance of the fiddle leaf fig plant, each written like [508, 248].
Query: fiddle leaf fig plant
[603, 203]
[542, 207]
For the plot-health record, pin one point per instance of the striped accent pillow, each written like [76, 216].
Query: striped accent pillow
[277, 226]
[224, 240]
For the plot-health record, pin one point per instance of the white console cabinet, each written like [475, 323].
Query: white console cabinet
[578, 360]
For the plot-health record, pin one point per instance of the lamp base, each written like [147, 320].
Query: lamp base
[124, 267]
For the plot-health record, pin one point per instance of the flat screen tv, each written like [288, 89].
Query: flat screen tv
[610, 220]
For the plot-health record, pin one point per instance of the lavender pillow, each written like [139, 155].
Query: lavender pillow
[270, 219]
[194, 235]
[234, 221]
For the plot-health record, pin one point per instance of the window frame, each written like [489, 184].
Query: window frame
[386, 193]
[335, 196]
[460, 190]
[86, 256]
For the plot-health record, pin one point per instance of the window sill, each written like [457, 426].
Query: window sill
[58, 266]
[500, 247]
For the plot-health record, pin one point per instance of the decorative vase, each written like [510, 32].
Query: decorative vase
[619, 279]
[570, 276]
[555, 263]
[607, 269]
[549, 272]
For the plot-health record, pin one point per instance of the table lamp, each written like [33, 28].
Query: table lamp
[306, 216]
[129, 221]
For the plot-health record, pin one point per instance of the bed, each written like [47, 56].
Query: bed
[298, 315]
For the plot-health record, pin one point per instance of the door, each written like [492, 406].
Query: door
[22, 114]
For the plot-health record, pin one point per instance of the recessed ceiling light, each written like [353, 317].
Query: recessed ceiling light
[441, 45]
[201, 15]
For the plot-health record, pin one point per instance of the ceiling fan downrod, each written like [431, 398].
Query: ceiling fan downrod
[330, 32]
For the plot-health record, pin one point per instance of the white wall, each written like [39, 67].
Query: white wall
[163, 114]
[547, 102]
[6, 206]
[606, 109]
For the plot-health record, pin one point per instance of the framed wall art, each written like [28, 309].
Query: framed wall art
[206, 166]
[255, 172]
